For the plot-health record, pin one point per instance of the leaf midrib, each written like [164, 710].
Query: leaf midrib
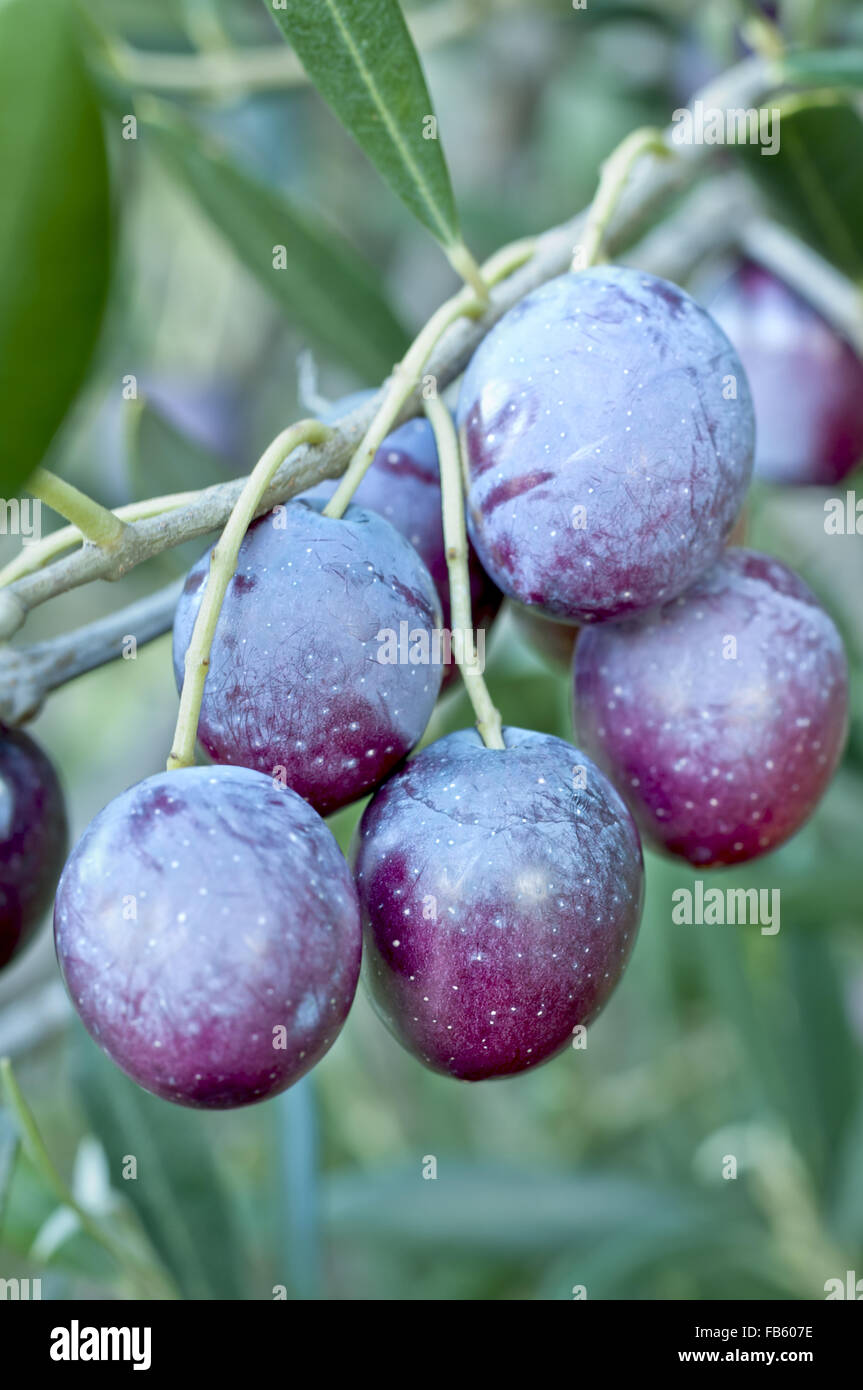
[404, 151]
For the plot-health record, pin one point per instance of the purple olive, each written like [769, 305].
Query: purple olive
[609, 434]
[403, 485]
[304, 681]
[33, 839]
[806, 381]
[721, 717]
[208, 932]
[501, 892]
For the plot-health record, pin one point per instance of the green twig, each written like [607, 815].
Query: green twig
[612, 181]
[463, 263]
[94, 522]
[38, 553]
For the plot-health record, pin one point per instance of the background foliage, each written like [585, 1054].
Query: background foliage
[603, 1168]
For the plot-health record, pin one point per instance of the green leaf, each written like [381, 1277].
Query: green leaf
[9, 1146]
[361, 57]
[791, 1022]
[814, 180]
[630, 1263]
[821, 1051]
[55, 228]
[298, 1162]
[726, 970]
[847, 1214]
[321, 282]
[30, 1204]
[177, 1194]
[501, 1210]
[830, 67]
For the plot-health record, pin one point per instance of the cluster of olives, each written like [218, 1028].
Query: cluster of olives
[208, 927]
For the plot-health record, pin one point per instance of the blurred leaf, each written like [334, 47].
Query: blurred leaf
[814, 180]
[848, 1206]
[9, 1146]
[142, 1273]
[178, 1194]
[799, 1050]
[629, 1263]
[323, 284]
[361, 57]
[486, 1208]
[299, 1251]
[30, 1205]
[831, 67]
[730, 983]
[820, 1050]
[54, 228]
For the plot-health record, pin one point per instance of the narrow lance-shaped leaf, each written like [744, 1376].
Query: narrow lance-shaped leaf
[55, 227]
[9, 1145]
[177, 1192]
[813, 178]
[829, 67]
[361, 57]
[322, 283]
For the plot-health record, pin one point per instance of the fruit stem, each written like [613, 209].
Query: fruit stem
[488, 719]
[151, 1282]
[463, 263]
[408, 371]
[95, 523]
[613, 178]
[223, 563]
[36, 554]
[398, 388]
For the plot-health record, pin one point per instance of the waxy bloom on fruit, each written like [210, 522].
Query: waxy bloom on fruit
[501, 893]
[208, 931]
[721, 717]
[609, 434]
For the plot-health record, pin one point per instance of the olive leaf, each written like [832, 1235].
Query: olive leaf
[323, 284]
[177, 1194]
[55, 227]
[500, 1209]
[9, 1146]
[361, 58]
[830, 67]
[813, 180]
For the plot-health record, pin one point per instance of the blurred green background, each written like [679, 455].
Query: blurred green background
[604, 1168]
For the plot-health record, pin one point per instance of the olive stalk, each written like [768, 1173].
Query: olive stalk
[407, 374]
[613, 179]
[488, 720]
